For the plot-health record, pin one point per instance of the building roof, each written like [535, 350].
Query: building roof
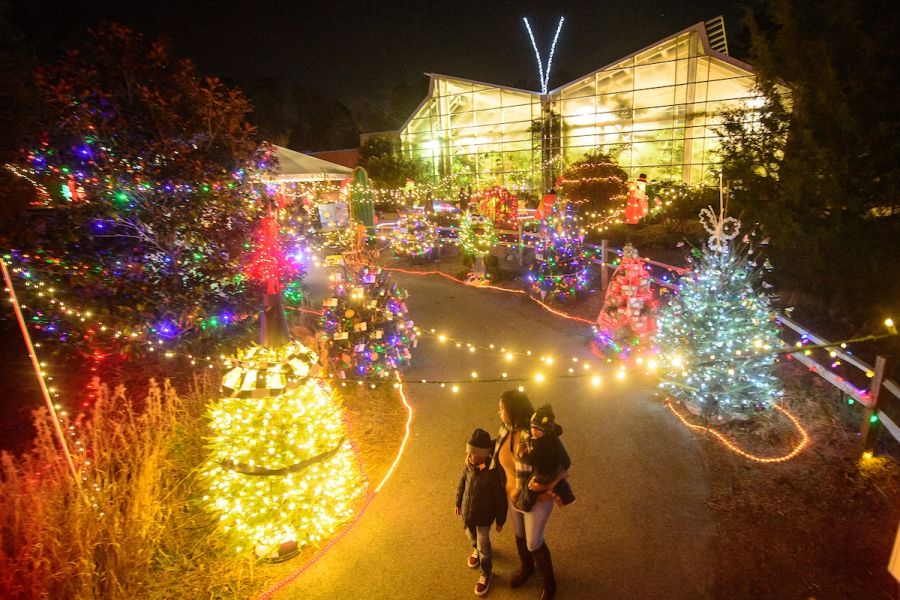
[296, 166]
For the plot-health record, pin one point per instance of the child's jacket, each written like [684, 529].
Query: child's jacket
[480, 496]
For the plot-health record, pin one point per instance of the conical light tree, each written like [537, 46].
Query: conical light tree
[281, 472]
[716, 334]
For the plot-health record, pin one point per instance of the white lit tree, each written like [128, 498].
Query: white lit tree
[717, 331]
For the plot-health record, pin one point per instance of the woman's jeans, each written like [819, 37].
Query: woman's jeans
[530, 525]
[481, 540]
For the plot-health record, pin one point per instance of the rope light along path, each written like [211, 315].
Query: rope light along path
[324, 549]
[803, 443]
[494, 287]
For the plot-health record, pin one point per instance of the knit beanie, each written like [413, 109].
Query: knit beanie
[480, 443]
[543, 418]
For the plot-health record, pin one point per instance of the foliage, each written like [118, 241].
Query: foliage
[560, 270]
[148, 171]
[135, 532]
[816, 165]
[388, 168]
[715, 332]
[595, 183]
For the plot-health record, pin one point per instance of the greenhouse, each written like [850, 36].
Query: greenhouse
[655, 112]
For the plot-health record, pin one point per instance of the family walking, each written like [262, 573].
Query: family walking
[518, 476]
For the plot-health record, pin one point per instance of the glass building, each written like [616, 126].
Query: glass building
[655, 111]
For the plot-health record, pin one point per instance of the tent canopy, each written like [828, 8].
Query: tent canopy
[296, 166]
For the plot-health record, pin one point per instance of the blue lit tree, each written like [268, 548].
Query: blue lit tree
[717, 331]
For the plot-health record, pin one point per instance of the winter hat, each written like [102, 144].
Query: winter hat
[480, 443]
[543, 418]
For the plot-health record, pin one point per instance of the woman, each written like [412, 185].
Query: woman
[515, 412]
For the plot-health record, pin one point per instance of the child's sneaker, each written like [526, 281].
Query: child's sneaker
[483, 585]
[473, 561]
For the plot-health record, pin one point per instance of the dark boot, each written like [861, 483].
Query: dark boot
[545, 568]
[527, 561]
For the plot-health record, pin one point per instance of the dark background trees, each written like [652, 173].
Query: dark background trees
[820, 171]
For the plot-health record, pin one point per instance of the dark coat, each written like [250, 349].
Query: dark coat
[547, 455]
[480, 497]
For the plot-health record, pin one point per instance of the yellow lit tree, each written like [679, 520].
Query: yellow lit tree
[281, 473]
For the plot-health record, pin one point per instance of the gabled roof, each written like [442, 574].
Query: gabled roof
[698, 28]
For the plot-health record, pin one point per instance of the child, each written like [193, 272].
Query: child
[480, 500]
[547, 456]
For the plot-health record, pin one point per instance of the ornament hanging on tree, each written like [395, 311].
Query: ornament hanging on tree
[366, 332]
[717, 331]
[627, 322]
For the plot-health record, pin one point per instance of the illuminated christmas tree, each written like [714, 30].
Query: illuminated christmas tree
[366, 331]
[627, 322]
[716, 332]
[560, 269]
[414, 236]
[281, 473]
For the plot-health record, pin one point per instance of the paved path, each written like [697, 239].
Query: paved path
[639, 528]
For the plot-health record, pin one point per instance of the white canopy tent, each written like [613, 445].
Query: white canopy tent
[296, 166]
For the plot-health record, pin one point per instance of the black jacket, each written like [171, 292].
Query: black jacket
[547, 455]
[481, 497]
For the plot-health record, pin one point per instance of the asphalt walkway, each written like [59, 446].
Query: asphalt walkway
[639, 528]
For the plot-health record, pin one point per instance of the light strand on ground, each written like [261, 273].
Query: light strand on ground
[803, 443]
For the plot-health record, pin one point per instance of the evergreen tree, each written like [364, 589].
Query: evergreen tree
[715, 333]
[560, 269]
[816, 164]
[365, 327]
[414, 236]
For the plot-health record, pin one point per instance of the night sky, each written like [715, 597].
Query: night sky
[352, 51]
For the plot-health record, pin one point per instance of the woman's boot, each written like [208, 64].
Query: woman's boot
[527, 561]
[545, 568]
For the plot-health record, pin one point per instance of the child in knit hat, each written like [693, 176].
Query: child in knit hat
[545, 452]
[481, 501]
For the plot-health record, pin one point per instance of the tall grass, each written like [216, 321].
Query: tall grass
[133, 528]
